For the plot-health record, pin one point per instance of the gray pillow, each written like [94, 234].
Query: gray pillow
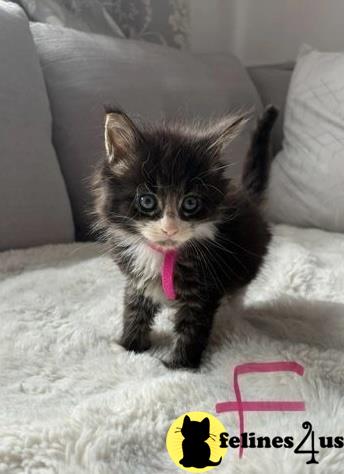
[34, 206]
[83, 15]
[83, 72]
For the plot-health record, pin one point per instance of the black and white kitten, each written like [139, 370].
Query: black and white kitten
[163, 188]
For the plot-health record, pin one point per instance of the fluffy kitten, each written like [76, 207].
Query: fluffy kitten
[163, 188]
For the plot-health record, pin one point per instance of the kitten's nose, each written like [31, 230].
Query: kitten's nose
[169, 231]
[169, 224]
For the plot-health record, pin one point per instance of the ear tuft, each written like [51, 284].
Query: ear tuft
[121, 136]
[227, 130]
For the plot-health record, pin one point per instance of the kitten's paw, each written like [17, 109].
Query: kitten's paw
[137, 346]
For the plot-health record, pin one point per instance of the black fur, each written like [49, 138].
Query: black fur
[257, 166]
[174, 160]
[138, 318]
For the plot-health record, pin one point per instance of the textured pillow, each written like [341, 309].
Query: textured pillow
[83, 72]
[34, 206]
[307, 184]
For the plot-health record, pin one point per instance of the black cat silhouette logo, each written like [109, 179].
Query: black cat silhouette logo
[193, 442]
[196, 451]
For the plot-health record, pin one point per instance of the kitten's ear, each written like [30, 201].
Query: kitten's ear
[224, 131]
[121, 136]
[206, 423]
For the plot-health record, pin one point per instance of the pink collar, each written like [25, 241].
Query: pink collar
[167, 271]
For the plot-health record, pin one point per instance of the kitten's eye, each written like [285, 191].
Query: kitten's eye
[191, 204]
[148, 202]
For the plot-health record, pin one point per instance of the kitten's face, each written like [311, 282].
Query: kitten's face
[171, 218]
[165, 186]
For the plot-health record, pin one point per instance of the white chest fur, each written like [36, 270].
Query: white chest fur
[146, 263]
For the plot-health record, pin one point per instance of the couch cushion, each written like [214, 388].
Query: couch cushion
[84, 71]
[307, 179]
[34, 206]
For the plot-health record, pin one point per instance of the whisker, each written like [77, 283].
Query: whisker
[203, 264]
[233, 254]
[210, 266]
[221, 262]
[239, 246]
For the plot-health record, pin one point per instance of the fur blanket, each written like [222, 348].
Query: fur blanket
[73, 401]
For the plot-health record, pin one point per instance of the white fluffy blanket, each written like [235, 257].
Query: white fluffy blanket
[73, 401]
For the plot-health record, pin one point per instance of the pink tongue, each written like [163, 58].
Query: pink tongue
[167, 273]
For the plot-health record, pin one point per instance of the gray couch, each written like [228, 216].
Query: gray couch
[54, 83]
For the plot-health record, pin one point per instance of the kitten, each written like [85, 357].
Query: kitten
[196, 451]
[162, 199]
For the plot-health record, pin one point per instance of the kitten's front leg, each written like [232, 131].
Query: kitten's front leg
[193, 325]
[138, 318]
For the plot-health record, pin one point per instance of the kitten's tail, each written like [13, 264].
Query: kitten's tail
[256, 171]
[212, 463]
